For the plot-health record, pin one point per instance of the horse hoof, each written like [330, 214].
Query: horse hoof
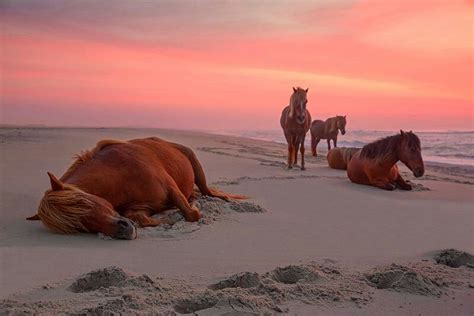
[303, 168]
[192, 215]
[290, 167]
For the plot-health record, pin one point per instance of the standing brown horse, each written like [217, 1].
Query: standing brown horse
[295, 121]
[118, 182]
[328, 129]
[376, 163]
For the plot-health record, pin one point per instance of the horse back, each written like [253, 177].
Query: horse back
[137, 170]
[339, 158]
[318, 129]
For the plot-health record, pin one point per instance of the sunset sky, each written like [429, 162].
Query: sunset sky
[232, 64]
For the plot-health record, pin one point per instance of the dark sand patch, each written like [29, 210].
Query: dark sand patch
[242, 280]
[454, 258]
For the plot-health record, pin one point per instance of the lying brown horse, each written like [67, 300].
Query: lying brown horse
[118, 183]
[338, 158]
[295, 121]
[376, 163]
[328, 129]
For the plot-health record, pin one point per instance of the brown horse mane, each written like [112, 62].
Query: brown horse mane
[61, 211]
[331, 124]
[384, 148]
[86, 155]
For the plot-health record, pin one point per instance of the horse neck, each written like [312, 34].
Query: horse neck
[393, 157]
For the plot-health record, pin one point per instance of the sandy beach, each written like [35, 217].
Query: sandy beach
[308, 242]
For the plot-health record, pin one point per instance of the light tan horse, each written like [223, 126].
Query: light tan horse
[338, 158]
[295, 121]
[328, 129]
[118, 182]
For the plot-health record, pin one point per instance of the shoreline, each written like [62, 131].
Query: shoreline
[464, 171]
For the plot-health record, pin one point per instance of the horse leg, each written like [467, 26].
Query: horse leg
[313, 145]
[316, 146]
[302, 154]
[335, 142]
[295, 148]
[329, 144]
[290, 154]
[177, 198]
[143, 219]
[384, 185]
[402, 183]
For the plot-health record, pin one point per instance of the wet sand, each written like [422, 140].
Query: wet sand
[314, 218]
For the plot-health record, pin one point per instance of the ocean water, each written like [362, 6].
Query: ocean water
[453, 147]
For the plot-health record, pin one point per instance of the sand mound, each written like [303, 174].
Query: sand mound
[307, 283]
[454, 258]
[403, 279]
[293, 274]
[212, 210]
[196, 303]
[242, 280]
[108, 277]
[112, 291]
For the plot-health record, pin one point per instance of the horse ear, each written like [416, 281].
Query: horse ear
[306, 90]
[56, 184]
[402, 132]
[33, 218]
[294, 89]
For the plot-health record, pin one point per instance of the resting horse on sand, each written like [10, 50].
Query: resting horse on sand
[376, 163]
[295, 121]
[338, 158]
[118, 182]
[328, 129]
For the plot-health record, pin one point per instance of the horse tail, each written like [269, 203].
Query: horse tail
[226, 196]
[200, 177]
[33, 218]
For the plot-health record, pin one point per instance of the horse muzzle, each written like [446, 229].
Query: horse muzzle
[418, 172]
[343, 132]
[300, 119]
[126, 229]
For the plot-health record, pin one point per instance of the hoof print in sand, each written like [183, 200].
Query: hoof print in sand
[108, 277]
[196, 303]
[294, 274]
[242, 280]
[403, 279]
[454, 258]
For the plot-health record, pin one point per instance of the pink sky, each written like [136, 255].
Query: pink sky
[231, 65]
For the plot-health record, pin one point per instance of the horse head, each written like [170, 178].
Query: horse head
[298, 103]
[67, 209]
[341, 124]
[409, 152]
